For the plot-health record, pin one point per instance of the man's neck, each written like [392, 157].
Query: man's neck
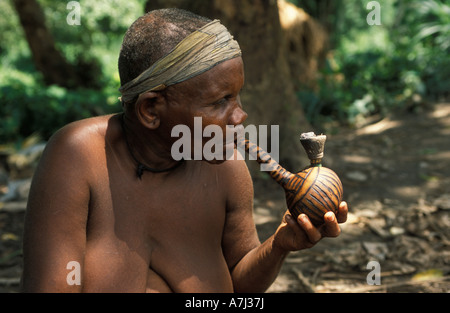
[148, 151]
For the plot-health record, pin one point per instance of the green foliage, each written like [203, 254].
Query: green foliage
[375, 69]
[371, 69]
[28, 105]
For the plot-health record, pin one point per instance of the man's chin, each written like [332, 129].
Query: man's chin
[214, 161]
[221, 159]
[228, 154]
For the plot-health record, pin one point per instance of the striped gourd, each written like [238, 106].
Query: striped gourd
[312, 191]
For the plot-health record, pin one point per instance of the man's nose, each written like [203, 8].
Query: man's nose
[238, 116]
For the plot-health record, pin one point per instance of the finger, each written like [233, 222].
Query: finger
[342, 212]
[286, 216]
[299, 238]
[290, 220]
[311, 231]
[331, 228]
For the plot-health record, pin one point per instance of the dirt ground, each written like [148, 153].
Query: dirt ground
[396, 177]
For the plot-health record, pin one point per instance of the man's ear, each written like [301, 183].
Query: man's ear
[147, 109]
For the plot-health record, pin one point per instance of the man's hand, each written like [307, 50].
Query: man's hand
[293, 235]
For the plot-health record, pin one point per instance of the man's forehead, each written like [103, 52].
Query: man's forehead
[200, 52]
[221, 75]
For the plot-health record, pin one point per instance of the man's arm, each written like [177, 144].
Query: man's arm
[255, 266]
[258, 269]
[56, 217]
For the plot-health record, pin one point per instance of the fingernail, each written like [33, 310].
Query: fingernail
[303, 218]
[329, 216]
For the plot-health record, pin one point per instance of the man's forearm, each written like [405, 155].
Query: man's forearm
[257, 270]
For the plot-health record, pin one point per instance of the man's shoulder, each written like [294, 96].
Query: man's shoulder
[93, 127]
[82, 133]
[78, 140]
[235, 171]
[71, 155]
[236, 163]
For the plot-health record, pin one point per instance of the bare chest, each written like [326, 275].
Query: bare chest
[172, 227]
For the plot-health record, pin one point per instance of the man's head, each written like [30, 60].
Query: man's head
[152, 36]
[196, 53]
[190, 68]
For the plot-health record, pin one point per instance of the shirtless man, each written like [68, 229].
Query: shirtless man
[108, 195]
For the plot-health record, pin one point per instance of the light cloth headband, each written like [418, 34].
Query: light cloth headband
[195, 54]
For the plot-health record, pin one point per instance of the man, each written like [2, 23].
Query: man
[109, 202]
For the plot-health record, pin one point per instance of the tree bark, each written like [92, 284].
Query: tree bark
[268, 95]
[47, 59]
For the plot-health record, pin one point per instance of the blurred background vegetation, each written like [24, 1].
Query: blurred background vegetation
[377, 69]
[367, 70]
[29, 106]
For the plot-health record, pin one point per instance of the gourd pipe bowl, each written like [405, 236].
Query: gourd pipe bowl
[313, 191]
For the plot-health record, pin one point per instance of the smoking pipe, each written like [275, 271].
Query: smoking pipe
[313, 191]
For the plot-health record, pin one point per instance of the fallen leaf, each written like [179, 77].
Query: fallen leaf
[427, 275]
[9, 236]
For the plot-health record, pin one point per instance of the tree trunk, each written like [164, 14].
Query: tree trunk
[268, 95]
[47, 59]
[328, 13]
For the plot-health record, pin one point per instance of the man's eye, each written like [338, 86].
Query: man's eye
[224, 100]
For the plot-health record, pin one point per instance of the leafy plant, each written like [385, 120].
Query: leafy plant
[374, 70]
[28, 105]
